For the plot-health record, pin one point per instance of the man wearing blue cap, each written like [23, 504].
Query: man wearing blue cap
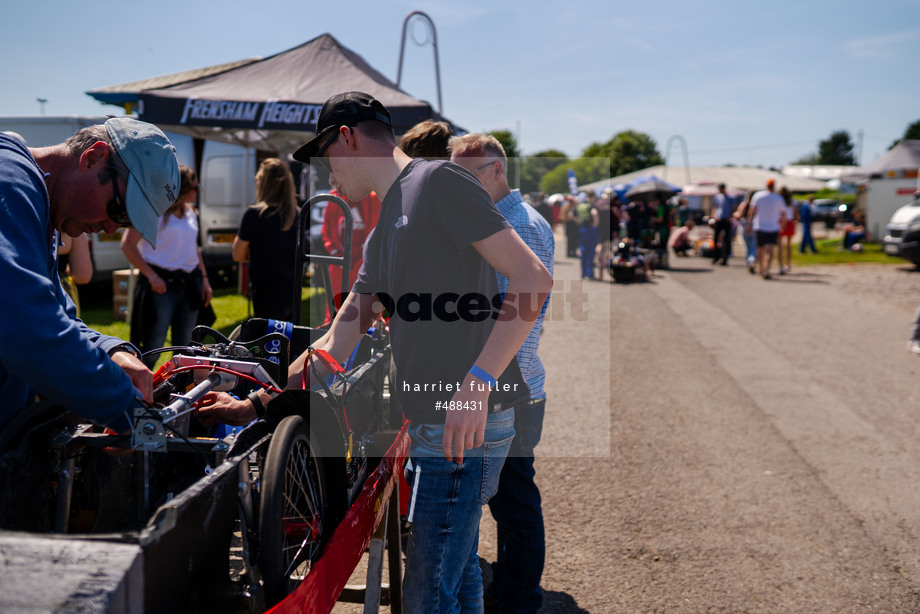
[122, 173]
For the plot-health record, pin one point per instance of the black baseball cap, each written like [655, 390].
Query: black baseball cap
[343, 110]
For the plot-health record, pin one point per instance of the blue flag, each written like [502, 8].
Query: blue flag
[573, 183]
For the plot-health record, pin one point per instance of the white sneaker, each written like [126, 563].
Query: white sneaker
[914, 346]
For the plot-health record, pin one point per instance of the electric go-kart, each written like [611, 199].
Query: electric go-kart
[630, 263]
[222, 519]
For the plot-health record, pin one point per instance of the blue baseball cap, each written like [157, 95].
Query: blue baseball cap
[153, 172]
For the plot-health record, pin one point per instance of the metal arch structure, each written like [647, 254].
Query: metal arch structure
[434, 45]
[667, 153]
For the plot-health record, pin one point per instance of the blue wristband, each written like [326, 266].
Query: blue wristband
[483, 375]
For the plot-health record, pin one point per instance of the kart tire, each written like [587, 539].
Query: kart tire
[294, 508]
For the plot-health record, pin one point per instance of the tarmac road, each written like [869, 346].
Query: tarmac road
[763, 451]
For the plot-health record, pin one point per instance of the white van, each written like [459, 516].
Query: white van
[902, 234]
[226, 176]
[227, 180]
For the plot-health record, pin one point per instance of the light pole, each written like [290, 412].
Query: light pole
[434, 46]
[667, 153]
[41, 102]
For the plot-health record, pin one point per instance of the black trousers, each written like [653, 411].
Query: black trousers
[723, 240]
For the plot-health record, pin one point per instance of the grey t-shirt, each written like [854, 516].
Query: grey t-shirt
[442, 296]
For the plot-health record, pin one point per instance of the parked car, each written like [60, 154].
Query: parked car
[829, 211]
[902, 235]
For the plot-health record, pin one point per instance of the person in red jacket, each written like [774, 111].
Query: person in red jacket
[364, 215]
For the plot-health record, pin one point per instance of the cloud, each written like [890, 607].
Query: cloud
[882, 46]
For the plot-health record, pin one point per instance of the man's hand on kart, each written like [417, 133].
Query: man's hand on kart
[217, 407]
[140, 375]
[465, 428]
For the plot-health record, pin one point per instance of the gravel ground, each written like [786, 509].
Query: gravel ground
[897, 285]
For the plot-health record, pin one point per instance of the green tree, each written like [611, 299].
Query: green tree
[809, 159]
[535, 167]
[912, 133]
[628, 151]
[587, 170]
[837, 149]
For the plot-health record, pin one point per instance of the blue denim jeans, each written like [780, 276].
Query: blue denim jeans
[750, 248]
[445, 506]
[517, 510]
[588, 241]
[808, 241]
[170, 309]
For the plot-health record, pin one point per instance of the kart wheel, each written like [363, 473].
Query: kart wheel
[293, 510]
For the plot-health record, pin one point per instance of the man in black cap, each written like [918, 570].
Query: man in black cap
[429, 262]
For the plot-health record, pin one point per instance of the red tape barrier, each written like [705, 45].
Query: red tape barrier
[321, 588]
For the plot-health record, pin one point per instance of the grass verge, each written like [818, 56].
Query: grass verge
[830, 251]
[231, 309]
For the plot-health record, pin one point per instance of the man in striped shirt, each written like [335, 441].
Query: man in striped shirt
[516, 506]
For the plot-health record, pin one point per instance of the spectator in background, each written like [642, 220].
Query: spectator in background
[605, 219]
[516, 506]
[555, 202]
[173, 284]
[806, 216]
[682, 213]
[570, 221]
[679, 241]
[767, 213]
[723, 210]
[364, 214]
[747, 232]
[913, 344]
[75, 265]
[427, 139]
[588, 222]
[636, 220]
[544, 207]
[855, 232]
[661, 224]
[786, 232]
[267, 240]
[616, 216]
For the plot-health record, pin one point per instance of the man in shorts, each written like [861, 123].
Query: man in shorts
[767, 213]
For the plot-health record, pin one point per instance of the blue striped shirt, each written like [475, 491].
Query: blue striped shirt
[537, 234]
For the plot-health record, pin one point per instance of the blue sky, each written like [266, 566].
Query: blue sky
[741, 82]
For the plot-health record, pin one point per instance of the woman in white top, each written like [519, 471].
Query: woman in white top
[173, 283]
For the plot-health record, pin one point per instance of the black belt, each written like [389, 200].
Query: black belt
[174, 275]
